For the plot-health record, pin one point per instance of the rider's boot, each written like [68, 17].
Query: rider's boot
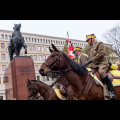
[111, 89]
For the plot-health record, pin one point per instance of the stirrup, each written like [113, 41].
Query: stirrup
[111, 96]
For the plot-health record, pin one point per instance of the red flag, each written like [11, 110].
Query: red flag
[70, 47]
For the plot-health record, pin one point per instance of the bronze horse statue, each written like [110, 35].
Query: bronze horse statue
[16, 42]
[46, 91]
[82, 85]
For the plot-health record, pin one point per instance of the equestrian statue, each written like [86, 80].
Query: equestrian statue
[16, 42]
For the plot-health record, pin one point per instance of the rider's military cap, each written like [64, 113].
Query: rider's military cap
[90, 36]
[77, 48]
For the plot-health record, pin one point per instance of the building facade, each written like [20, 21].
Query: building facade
[38, 49]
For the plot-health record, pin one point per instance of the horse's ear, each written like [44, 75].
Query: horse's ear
[53, 46]
[28, 81]
[51, 50]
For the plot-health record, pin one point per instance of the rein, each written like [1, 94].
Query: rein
[54, 62]
[33, 96]
[84, 86]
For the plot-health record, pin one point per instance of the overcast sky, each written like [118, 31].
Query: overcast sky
[78, 29]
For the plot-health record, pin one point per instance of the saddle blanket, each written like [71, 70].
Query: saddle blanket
[116, 82]
[59, 95]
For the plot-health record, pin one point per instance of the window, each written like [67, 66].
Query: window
[29, 39]
[34, 48]
[1, 97]
[38, 77]
[43, 78]
[58, 42]
[40, 58]
[9, 36]
[3, 79]
[47, 78]
[48, 41]
[2, 36]
[36, 68]
[30, 48]
[41, 40]
[42, 48]
[44, 58]
[47, 56]
[47, 49]
[35, 57]
[26, 38]
[0, 80]
[3, 67]
[3, 56]
[38, 48]
[2, 45]
[51, 41]
[31, 56]
[5, 36]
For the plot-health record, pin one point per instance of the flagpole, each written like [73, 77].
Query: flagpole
[68, 35]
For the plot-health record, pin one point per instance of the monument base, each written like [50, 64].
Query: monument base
[18, 71]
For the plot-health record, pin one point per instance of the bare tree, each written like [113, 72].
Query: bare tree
[113, 37]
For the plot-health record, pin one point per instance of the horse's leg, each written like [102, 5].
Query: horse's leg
[25, 47]
[16, 52]
[10, 52]
[19, 52]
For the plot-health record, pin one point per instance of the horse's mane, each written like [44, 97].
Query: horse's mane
[77, 68]
[38, 82]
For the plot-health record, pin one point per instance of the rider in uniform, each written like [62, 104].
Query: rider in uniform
[80, 58]
[98, 60]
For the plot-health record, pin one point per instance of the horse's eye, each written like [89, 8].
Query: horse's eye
[52, 56]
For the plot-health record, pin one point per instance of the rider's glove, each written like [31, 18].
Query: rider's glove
[88, 62]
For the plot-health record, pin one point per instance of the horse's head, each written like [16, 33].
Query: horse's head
[17, 27]
[32, 89]
[54, 62]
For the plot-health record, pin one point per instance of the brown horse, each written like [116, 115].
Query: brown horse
[83, 87]
[34, 87]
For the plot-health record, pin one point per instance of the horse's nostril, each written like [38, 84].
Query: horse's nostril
[41, 71]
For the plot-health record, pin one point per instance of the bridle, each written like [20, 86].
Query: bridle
[32, 95]
[36, 97]
[51, 65]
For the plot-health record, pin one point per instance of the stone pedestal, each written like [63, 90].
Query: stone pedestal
[18, 71]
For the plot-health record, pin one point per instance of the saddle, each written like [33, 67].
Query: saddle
[115, 79]
[98, 80]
